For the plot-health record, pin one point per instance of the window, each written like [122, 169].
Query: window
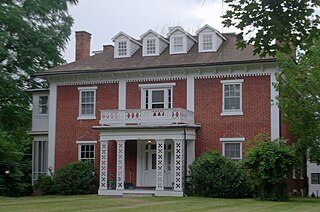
[207, 42]
[232, 97]
[43, 104]
[122, 48]
[86, 150]
[156, 95]
[39, 159]
[178, 44]
[232, 147]
[315, 178]
[151, 46]
[87, 102]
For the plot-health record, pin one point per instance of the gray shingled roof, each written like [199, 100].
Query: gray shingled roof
[226, 54]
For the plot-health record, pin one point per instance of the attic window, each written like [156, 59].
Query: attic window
[151, 46]
[122, 48]
[178, 44]
[207, 42]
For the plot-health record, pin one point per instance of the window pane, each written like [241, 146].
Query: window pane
[232, 150]
[158, 96]
[87, 152]
[207, 42]
[43, 104]
[122, 48]
[151, 46]
[147, 160]
[154, 161]
[232, 97]
[315, 178]
[232, 103]
[177, 44]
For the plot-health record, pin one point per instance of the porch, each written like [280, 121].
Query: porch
[164, 149]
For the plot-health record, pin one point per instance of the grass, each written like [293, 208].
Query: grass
[102, 203]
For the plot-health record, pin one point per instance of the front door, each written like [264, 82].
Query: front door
[150, 165]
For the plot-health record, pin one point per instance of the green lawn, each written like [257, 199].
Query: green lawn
[101, 203]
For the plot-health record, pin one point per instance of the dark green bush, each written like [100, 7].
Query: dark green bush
[45, 184]
[213, 175]
[268, 162]
[76, 178]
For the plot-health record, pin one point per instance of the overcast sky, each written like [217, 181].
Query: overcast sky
[105, 18]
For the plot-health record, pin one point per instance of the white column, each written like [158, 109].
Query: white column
[122, 94]
[160, 165]
[275, 116]
[178, 165]
[52, 126]
[120, 165]
[190, 93]
[103, 165]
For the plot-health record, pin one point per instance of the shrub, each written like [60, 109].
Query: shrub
[268, 163]
[76, 178]
[213, 175]
[45, 184]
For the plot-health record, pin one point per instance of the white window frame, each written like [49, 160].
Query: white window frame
[156, 87]
[39, 106]
[172, 44]
[145, 46]
[87, 89]
[117, 55]
[231, 112]
[232, 141]
[201, 42]
[81, 143]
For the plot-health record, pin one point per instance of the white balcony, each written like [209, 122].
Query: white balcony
[156, 116]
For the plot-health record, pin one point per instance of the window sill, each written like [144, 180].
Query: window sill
[234, 113]
[86, 117]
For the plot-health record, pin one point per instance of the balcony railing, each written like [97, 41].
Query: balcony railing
[147, 117]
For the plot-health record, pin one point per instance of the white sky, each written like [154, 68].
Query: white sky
[105, 18]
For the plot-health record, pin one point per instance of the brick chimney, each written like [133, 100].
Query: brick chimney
[83, 39]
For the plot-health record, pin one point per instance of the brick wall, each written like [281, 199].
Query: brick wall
[69, 129]
[208, 107]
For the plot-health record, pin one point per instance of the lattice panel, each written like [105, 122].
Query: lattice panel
[120, 165]
[160, 164]
[178, 154]
[103, 165]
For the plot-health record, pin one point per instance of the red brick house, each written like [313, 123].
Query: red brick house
[145, 108]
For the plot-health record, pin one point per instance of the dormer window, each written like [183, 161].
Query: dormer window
[122, 48]
[178, 44]
[125, 46]
[210, 39]
[151, 46]
[207, 42]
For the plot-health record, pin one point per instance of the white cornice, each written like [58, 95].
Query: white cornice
[166, 74]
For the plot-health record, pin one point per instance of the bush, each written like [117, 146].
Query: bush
[268, 163]
[76, 178]
[213, 175]
[45, 184]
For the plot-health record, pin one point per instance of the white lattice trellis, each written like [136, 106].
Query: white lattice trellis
[178, 164]
[103, 164]
[120, 164]
[160, 164]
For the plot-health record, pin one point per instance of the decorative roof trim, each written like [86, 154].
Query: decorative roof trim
[183, 31]
[155, 33]
[126, 35]
[213, 29]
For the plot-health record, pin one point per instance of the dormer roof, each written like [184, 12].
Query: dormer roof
[179, 28]
[127, 36]
[212, 29]
[150, 31]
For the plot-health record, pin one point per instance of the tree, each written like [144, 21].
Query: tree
[32, 35]
[273, 25]
[268, 163]
[299, 99]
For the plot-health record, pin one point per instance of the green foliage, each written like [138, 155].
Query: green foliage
[45, 184]
[76, 178]
[299, 100]
[268, 163]
[214, 175]
[289, 22]
[32, 35]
